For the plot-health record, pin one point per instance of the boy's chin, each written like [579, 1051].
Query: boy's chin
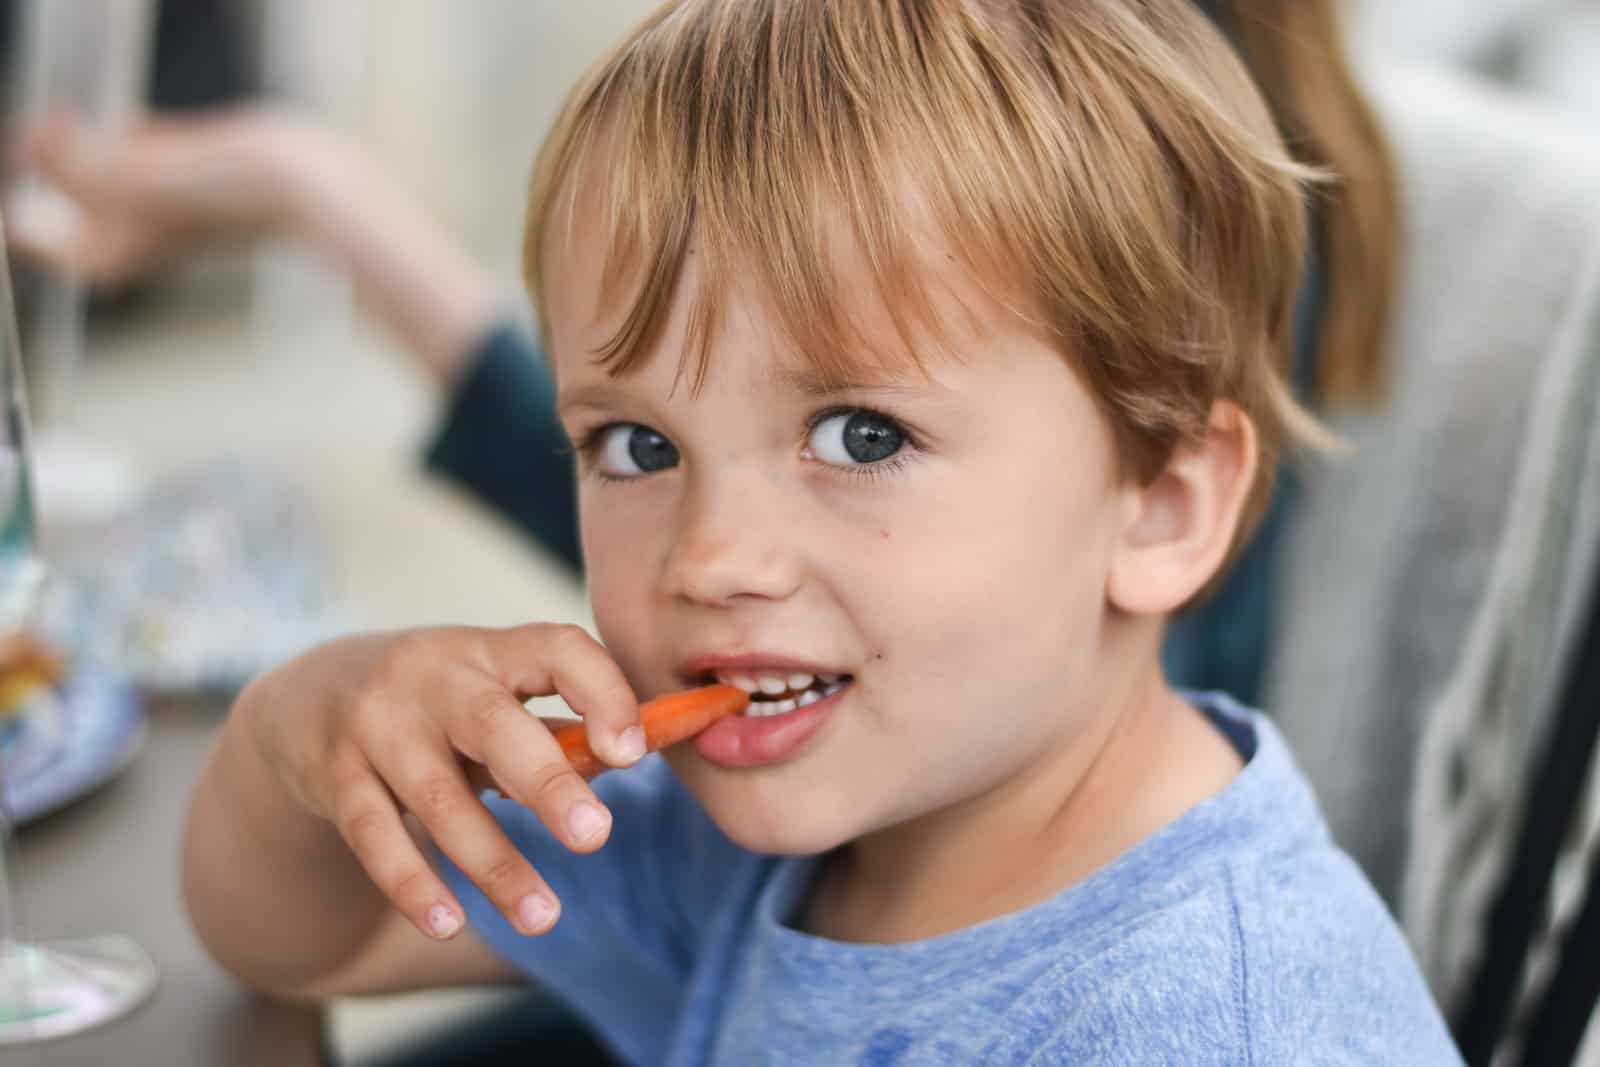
[776, 840]
[760, 821]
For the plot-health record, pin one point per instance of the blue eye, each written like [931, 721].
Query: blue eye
[859, 436]
[628, 450]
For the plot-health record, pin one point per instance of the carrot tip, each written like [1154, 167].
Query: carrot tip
[664, 721]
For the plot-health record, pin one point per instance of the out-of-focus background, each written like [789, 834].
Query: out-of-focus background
[241, 393]
[1547, 48]
[260, 352]
[238, 405]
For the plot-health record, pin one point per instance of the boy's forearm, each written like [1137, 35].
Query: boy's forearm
[409, 274]
[272, 891]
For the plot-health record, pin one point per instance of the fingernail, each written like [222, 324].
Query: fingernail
[630, 744]
[586, 821]
[443, 921]
[536, 911]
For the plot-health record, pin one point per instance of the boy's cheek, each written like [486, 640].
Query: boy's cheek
[623, 624]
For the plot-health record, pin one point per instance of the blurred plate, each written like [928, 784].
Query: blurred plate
[69, 740]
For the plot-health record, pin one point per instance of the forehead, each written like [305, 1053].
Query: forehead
[889, 333]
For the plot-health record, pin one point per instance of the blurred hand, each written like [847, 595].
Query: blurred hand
[157, 189]
[107, 209]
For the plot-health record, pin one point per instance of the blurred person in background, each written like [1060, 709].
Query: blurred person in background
[173, 184]
[1407, 339]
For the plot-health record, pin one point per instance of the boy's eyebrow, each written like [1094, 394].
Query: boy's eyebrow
[803, 380]
[593, 395]
[807, 381]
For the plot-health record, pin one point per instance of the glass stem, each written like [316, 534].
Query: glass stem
[16, 993]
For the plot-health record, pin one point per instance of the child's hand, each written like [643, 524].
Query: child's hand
[366, 729]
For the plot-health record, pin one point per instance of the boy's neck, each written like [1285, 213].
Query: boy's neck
[1142, 759]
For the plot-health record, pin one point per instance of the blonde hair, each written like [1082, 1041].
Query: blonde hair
[1106, 168]
[1296, 50]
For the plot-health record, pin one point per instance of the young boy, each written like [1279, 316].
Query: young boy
[920, 360]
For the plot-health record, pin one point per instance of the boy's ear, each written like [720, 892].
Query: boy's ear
[1182, 523]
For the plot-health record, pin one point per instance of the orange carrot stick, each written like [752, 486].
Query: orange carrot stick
[666, 721]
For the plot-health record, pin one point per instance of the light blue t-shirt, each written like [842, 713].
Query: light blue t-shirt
[1237, 935]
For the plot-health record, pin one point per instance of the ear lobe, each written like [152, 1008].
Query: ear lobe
[1184, 520]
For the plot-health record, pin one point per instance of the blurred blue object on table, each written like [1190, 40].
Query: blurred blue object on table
[199, 586]
[67, 739]
[194, 587]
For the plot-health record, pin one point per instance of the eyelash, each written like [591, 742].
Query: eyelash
[867, 473]
[586, 447]
[614, 479]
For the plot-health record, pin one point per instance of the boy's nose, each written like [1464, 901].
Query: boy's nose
[729, 546]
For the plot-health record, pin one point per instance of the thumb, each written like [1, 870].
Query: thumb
[44, 225]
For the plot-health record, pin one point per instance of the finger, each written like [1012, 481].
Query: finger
[33, 140]
[667, 720]
[40, 246]
[534, 660]
[481, 779]
[102, 256]
[59, 151]
[586, 764]
[526, 763]
[45, 225]
[116, 254]
[431, 786]
[365, 815]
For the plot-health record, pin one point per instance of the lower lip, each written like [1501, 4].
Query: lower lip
[746, 741]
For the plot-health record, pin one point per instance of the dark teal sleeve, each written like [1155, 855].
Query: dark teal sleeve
[1225, 642]
[501, 441]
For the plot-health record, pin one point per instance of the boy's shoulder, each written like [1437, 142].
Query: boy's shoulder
[1161, 986]
[1256, 963]
[1239, 934]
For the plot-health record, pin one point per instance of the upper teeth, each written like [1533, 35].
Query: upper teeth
[792, 689]
[770, 684]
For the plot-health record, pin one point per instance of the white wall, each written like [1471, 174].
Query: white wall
[453, 95]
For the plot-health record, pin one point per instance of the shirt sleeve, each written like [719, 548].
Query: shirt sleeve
[633, 914]
[500, 439]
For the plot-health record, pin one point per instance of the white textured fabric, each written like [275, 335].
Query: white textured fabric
[1431, 584]
[1387, 558]
[1480, 740]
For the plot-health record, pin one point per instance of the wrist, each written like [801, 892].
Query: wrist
[248, 770]
[310, 176]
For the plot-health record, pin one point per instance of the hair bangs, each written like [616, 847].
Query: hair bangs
[783, 149]
[1104, 172]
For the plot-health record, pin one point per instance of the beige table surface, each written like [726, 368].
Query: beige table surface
[110, 864]
[333, 407]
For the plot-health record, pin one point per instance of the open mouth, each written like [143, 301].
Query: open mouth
[773, 693]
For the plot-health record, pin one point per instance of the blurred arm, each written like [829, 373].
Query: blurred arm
[170, 185]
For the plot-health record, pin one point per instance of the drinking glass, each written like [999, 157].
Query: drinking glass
[47, 990]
